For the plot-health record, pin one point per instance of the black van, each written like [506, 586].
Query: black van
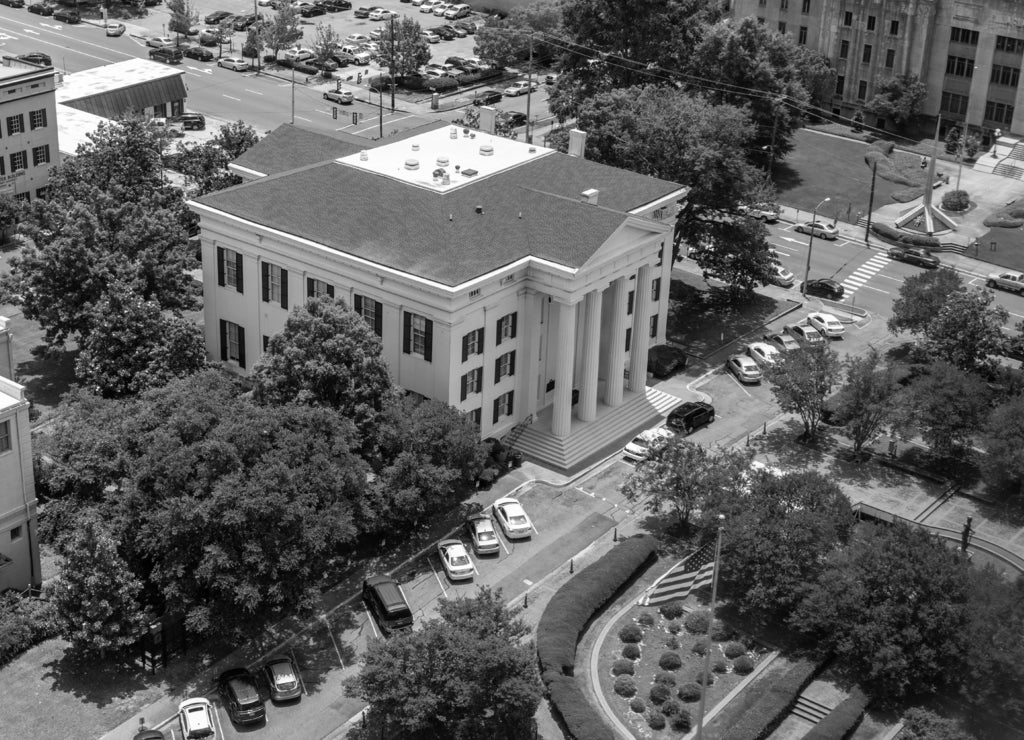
[385, 599]
[167, 55]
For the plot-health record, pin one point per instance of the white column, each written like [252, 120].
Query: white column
[591, 356]
[561, 412]
[616, 343]
[530, 331]
[641, 329]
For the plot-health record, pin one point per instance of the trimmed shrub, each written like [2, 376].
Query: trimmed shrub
[1003, 221]
[682, 721]
[956, 200]
[921, 240]
[24, 622]
[441, 84]
[843, 720]
[625, 686]
[668, 679]
[1015, 213]
[735, 650]
[697, 621]
[701, 646]
[743, 665]
[670, 661]
[631, 633]
[670, 707]
[674, 626]
[887, 232]
[621, 667]
[672, 610]
[719, 632]
[656, 721]
[905, 195]
[631, 651]
[380, 83]
[690, 692]
[704, 680]
[672, 643]
[646, 619]
[773, 701]
[575, 709]
[720, 666]
[659, 692]
[637, 705]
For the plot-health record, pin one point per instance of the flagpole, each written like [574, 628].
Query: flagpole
[711, 624]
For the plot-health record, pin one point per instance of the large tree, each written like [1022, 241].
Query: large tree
[283, 30]
[864, 405]
[184, 16]
[898, 99]
[1003, 442]
[920, 298]
[681, 476]
[236, 138]
[802, 380]
[967, 331]
[326, 355]
[505, 41]
[109, 216]
[946, 406]
[465, 675]
[402, 48]
[894, 606]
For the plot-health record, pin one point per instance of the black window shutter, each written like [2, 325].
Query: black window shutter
[514, 317]
[512, 363]
[309, 287]
[330, 291]
[629, 302]
[428, 343]
[480, 342]
[357, 303]
[378, 318]
[265, 279]
[266, 342]
[497, 370]
[220, 266]
[497, 333]
[511, 402]
[241, 347]
[238, 271]
[407, 333]
[465, 347]
[654, 325]
[464, 383]
[497, 409]
[656, 289]
[223, 340]
[629, 336]
[284, 289]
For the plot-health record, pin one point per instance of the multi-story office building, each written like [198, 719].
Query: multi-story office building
[28, 129]
[968, 54]
[509, 280]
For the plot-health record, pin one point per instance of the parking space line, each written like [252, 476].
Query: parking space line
[738, 384]
[373, 625]
[444, 593]
[334, 642]
[298, 669]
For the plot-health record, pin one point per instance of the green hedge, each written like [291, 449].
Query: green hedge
[774, 703]
[580, 718]
[841, 722]
[896, 236]
[24, 622]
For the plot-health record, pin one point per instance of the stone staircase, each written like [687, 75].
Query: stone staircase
[614, 428]
[810, 710]
[1005, 169]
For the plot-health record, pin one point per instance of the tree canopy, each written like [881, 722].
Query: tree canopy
[465, 675]
[1003, 441]
[802, 380]
[402, 48]
[865, 403]
[967, 331]
[946, 405]
[898, 99]
[920, 298]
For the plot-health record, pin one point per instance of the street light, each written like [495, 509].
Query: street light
[810, 246]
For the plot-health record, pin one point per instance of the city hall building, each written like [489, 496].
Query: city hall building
[519, 284]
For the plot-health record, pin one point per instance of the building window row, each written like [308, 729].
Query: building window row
[862, 90]
[472, 382]
[894, 28]
[959, 66]
[15, 124]
[801, 37]
[19, 161]
[999, 112]
[871, 23]
[963, 36]
[848, 18]
[1008, 76]
[953, 103]
[503, 405]
[866, 54]
[505, 366]
[506, 328]
[890, 58]
[1009, 44]
[782, 26]
[844, 49]
[40, 155]
[840, 84]
[473, 343]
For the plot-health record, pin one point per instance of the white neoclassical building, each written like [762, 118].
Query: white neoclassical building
[519, 284]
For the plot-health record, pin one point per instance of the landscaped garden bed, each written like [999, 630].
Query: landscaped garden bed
[651, 665]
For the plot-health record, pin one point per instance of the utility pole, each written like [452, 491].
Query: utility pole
[293, 96]
[529, 92]
[871, 202]
[391, 67]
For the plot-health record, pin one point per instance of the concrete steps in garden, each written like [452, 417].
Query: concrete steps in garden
[810, 710]
[1005, 169]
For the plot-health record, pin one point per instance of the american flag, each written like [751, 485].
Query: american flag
[695, 571]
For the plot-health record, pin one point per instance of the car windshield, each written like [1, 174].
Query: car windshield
[517, 519]
[283, 675]
[485, 535]
[459, 560]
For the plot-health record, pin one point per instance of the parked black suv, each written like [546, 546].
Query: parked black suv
[190, 121]
[386, 601]
[67, 16]
[167, 55]
[13, 3]
[690, 415]
[241, 696]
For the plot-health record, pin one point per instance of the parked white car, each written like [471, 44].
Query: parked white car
[764, 354]
[512, 519]
[236, 63]
[1008, 280]
[299, 54]
[518, 88]
[159, 42]
[455, 560]
[642, 444]
[826, 323]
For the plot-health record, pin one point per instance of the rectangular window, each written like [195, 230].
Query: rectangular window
[1008, 76]
[266, 342]
[42, 193]
[37, 119]
[476, 416]
[232, 343]
[762, 3]
[963, 36]
[372, 312]
[19, 161]
[629, 337]
[15, 124]
[505, 365]
[40, 155]
[890, 58]
[473, 343]
[418, 336]
[654, 326]
[782, 26]
[760, 20]
[847, 18]
[275, 284]
[16, 533]
[3, 168]
[894, 28]
[5, 436]
[999, 112]
[656, 289]
[862, 90]
[959, 66]
[229, 269]
[805, 7]
[506, 328]
[472, 382]
[865, 57]
[871, 23]
[844, 49]
[840, 84]
[317, 288]
[1009, 44]
[802, 36]
[503, 405]
[784, 4]
[630, 297]
[23, 197]
[953, 103]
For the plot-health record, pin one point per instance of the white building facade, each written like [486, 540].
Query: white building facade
[28, 130]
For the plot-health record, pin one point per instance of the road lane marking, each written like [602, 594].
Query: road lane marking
[300, 118]
[334, 642]
[890, 277]
[878, 290]
[237, 100]
[865, 272]
[430, 562]
[254, 92]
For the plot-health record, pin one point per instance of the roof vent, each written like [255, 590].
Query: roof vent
[415, 147]
[453, 132]
[479, 209]
[363, 156]
[533, 150]
[442, 160]
[412, 164]
[577, 143]
[590, 196]
[469, 172]
[486, 150]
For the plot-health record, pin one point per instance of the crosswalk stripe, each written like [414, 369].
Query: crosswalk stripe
[865, 272]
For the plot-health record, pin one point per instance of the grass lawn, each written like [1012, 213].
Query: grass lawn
[662, 637]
